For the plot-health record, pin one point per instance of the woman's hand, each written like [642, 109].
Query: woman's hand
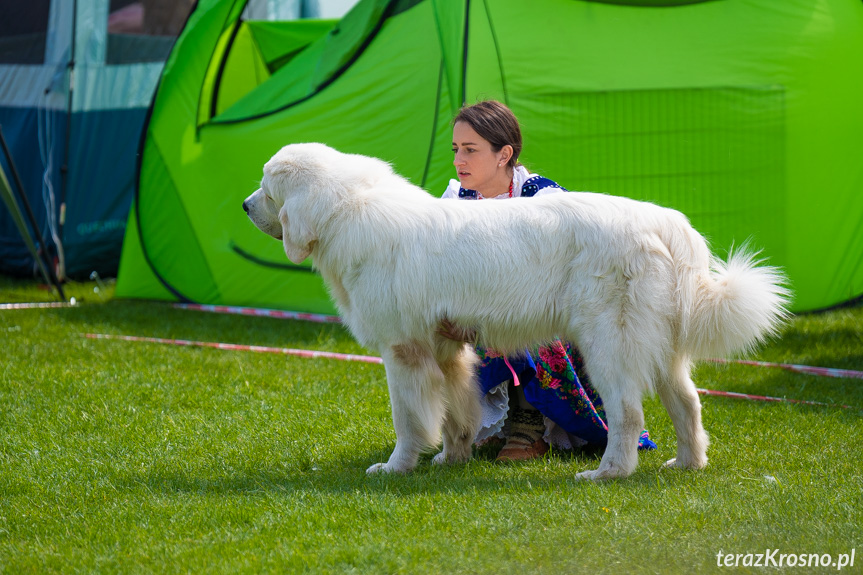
[454, 332]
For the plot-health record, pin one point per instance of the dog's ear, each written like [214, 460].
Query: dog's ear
[296, 237]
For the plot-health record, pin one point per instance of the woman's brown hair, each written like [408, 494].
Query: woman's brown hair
[496, 124]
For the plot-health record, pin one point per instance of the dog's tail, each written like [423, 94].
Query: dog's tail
[736, 306]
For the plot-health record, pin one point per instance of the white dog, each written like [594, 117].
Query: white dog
[633, 285]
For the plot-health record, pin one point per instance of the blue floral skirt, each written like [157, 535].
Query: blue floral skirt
[556, 383]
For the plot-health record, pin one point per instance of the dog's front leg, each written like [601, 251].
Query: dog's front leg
[414, 381]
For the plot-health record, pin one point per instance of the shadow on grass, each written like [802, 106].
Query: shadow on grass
[483, 475]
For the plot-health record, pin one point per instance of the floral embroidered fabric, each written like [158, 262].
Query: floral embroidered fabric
[555, 382]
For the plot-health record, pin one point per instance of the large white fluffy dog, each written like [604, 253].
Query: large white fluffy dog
[633, 285]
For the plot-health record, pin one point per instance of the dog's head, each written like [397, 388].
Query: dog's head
[303, 185]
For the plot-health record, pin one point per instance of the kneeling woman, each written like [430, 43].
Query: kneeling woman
[544, 397]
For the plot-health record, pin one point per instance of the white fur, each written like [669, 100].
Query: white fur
[632, 284]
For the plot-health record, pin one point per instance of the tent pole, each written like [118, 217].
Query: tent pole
[50, 276]
[64, 167]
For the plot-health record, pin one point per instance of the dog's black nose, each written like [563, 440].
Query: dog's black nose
[245, 207]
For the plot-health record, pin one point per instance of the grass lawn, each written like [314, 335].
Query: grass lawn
[125, 457]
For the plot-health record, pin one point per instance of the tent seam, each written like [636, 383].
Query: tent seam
[386, 15]
[434, 124]
[137, 206]
[188, 219]
[198, 124]
[267, 264]
[217, 82]
[464, 53]
[497, 53]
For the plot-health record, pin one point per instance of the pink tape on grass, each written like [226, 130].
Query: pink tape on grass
[807, 369]
[735, 395]
[260, 312]
[236, 347]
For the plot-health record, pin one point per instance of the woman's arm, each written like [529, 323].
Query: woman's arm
[454, 332]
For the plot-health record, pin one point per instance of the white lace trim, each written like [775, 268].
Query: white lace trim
[495, 406]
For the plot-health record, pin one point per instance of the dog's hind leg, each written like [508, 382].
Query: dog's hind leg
[414, 381]
[625, 419]
[617, 374]
[680, 398]
[462, 418]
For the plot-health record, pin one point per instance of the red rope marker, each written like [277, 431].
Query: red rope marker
[735, 395]
[260, 312]
[236, 347]
[807, 369]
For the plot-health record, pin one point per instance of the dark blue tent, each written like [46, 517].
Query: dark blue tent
[75, 87]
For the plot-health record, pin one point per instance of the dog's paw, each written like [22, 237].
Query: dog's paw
[378, 468]
[676, 463]
[387, 468]
[590, 475]
[600, 474]
[444, 458]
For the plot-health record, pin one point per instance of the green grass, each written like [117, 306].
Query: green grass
[123, 457]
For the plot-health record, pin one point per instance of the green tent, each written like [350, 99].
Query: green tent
[744, 114]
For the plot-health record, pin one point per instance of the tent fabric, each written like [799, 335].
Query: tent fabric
[73, 116]
[260, 48]
[744, 115]
[277, 42]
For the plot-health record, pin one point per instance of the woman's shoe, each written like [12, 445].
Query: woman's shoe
[524, 440]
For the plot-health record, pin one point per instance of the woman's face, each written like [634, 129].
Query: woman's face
[477, 165]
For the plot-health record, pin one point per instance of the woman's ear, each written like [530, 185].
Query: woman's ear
[505, 154]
